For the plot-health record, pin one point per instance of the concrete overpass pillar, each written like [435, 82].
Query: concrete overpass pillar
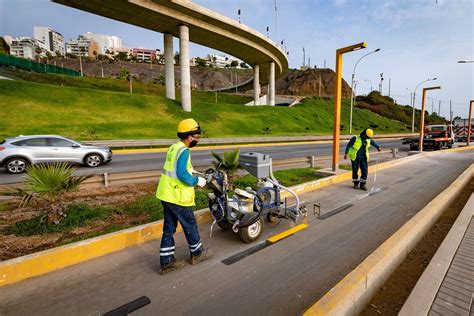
[256, 84]
[169, 67]
[184, 68]
[271, 84]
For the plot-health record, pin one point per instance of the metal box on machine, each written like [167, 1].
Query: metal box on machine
[256, 164]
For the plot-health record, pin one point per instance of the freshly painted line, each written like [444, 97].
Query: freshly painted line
[335, 211]
[287, 233]
[244, 254]
[129, 307]
[21, 268]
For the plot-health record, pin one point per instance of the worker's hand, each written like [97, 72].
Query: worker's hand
[345, 157]
[201, 182]
[379, 149]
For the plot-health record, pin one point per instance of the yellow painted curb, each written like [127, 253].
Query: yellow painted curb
[18, 269]
[351, 294]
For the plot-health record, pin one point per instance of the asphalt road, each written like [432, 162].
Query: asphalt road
[202, 157]
[282, 279]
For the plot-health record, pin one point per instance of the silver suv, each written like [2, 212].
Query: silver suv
[18, 152]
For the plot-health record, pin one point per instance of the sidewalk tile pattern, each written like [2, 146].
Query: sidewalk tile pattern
[456, 294]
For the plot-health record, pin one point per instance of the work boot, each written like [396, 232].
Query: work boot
[205, 254]
[356, 184]
[172, 266]
[363, 187]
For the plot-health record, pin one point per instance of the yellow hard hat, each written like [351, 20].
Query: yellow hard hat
[189, 126]
[369, 132]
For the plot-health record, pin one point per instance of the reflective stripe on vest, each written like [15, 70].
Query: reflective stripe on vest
[170, 188]
[357, 144]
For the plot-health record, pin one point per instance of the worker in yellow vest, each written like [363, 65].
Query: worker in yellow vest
[176, 192]
[358, 150]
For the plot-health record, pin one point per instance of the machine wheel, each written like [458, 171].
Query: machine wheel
[224, 225]
[450, 145]
[413, 147]
[251, 233]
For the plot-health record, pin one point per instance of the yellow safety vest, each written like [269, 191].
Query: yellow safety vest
[357, 144]
[170, 189]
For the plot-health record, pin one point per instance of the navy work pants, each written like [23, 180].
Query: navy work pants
[364, 169]
[184, 214]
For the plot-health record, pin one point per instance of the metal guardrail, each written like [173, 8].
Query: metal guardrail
[120, 178]
[149, 143]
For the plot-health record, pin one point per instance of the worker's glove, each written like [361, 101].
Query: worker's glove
[379, 149]
[345, 157]
[201, 182]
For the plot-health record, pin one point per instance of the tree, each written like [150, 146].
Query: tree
[201, 62]
[38, 52]
[229, 163]
[58, 54]
[234, 63]
[122, 56]
[49, 182]
[176, 58]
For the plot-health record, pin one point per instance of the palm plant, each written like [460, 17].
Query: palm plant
[50, 182]
[229, 163]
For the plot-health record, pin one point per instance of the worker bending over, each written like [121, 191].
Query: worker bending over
[358, 150]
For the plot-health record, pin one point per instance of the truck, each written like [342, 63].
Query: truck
[460, 130]
[436, 136]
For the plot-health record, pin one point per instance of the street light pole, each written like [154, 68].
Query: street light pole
[352, 86]
[413, 104]
[337, 101]
[422, 120]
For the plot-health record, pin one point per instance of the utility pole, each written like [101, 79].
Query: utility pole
[380, 85]
[432, 106]
[439, 108]
[325, 63]
[304, 58]
[389, 83]
[309, 62]
[102, 70]
[276, 22]
[450, 113]
[130, 83]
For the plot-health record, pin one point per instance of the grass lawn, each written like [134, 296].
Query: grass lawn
[84, 114]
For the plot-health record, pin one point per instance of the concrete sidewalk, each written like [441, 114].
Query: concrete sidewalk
[446, 287]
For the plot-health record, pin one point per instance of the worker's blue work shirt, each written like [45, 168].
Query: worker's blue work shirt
[361, 152]
[182, 170]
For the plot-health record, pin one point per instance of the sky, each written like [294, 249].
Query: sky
[418, 39]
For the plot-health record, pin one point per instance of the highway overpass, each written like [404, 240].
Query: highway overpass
[191, 22]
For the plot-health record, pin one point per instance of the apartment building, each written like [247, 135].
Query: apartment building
[25, 47]
[53, 40]
[145, 55]
[105, 42]
[83, 47]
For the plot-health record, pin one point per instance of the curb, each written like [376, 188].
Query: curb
[354, 291]
[424, 293]
[21, 268]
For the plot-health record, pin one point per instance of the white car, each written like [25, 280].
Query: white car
[18, 152]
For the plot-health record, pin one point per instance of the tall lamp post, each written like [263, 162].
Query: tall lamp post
[469, 124]
[413, 104]
[337, 100]
[352, 86]
[422, 120]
